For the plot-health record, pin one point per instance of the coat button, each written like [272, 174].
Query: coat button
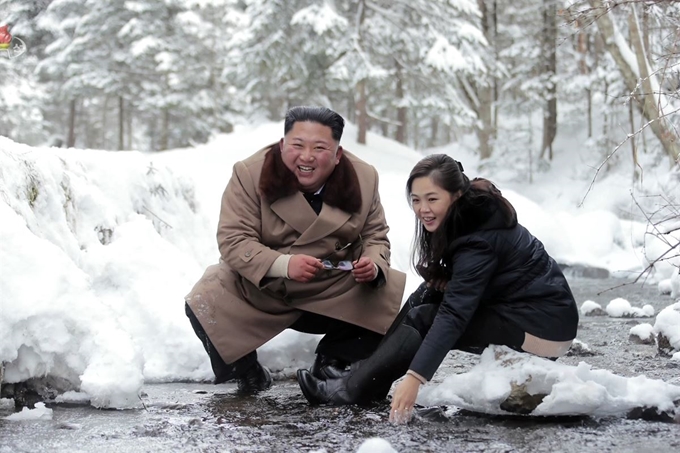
[248, 254]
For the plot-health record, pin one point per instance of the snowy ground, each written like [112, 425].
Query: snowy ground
[196, 417]
[99, 248]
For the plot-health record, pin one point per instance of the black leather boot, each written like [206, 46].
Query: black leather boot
[255, 379]
[326, 367]
[369, 377]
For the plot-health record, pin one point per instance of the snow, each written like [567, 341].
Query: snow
[621, 308]
[40, 412]
[375, 445]
[617, 308]
[643, 331]
[569, 390]
[589, 306]
[99, 248]
[668, 323]
[444, 56]
[320, 17]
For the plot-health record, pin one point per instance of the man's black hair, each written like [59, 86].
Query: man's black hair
[321, 115]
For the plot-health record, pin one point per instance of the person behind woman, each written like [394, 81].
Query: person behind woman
[488, 280]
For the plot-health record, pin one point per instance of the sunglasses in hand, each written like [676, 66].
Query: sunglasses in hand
[344, 265]
[340, 265]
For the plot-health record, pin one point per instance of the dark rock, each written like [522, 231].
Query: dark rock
[31, 391]
[520, 401]
[579, 349]
[583, 271]
[22, 395]
[596, 312]
[652, 414]
[637, 340]
[663, 345]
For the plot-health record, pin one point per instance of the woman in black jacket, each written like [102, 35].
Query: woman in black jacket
[487, 281]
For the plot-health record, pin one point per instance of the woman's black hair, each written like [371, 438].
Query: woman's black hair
[429, 249]
[321, 115]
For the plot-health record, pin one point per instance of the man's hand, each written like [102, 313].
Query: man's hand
[303, 268]
[365, 270]
[404, 399]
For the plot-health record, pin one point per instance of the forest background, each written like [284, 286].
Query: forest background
[155, 75]
[498, 76]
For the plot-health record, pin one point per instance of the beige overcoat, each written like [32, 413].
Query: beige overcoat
[241, 309]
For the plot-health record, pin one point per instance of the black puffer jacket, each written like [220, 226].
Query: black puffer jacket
[503, 268]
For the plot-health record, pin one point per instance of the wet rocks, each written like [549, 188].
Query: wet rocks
[664, 346]
[32, 391]
[580, 349]
[654, 414]
[592, 308]
[642, 334]
[634, 338]
[520, 401]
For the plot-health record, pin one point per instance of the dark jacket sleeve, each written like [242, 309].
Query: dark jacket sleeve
[473, 266]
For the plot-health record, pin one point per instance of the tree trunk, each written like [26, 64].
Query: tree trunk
[605, 116]
[633, 148]
[401, 110]
[362, 113]
[530, 146]
[129, 127]
[485, 97]
[549, 70]
[494, 34]
[646, 101]
[165, 131]
[659, 125]
[121, 123]
[102, 135]
[645, 27]
[434, 131]
[351, 108]
[71, 139]
[583, 47]
[416, 131]
[361, 107]
[589, 100]
[384, 125]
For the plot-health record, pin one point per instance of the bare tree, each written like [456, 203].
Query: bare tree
[639, 76]
[483, 102]
[549, 55]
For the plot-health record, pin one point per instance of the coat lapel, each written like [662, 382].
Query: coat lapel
[296, 212]
[329, 220]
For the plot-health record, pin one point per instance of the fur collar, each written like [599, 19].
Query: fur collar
[341, 190]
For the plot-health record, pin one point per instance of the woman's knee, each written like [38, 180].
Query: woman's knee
[424, 295]
[422, 317]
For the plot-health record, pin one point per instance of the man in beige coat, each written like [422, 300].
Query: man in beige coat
[303, 243]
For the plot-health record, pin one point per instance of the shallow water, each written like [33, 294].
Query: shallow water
[192, 417]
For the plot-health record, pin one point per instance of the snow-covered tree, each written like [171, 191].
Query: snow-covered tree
[644, 63]
[23, 101]
[388, 62]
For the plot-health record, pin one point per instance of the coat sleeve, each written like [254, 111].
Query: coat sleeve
[239, 233]
[473, 266]
[374, 234]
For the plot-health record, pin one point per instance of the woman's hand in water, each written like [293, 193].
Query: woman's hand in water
[404, 399]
